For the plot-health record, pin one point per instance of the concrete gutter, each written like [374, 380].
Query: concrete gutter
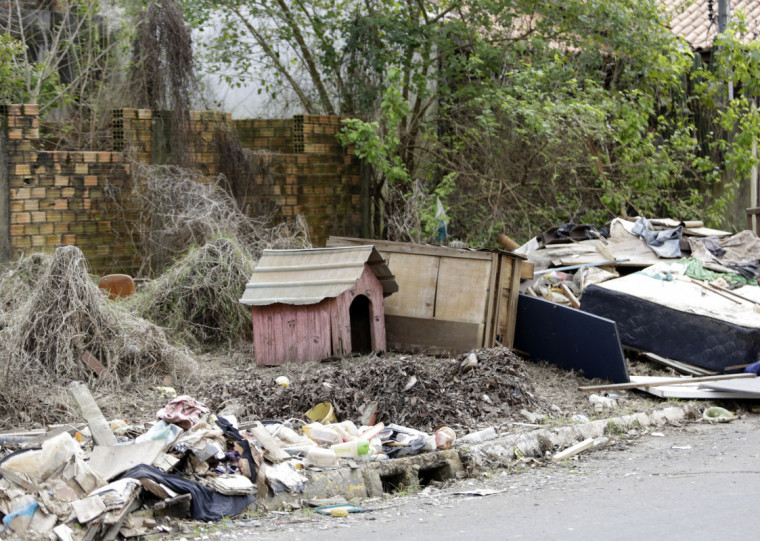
[505, 449]
[370, 480]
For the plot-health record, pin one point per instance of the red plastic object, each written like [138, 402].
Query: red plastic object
[117, 285]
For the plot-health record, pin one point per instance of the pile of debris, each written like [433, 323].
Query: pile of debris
[478, 388]
[102, 480]
[678, 293]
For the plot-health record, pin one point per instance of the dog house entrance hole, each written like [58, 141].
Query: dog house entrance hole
[361, 335]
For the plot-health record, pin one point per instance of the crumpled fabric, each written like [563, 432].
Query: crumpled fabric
[739, 253]
[246, 455]
[571, 232]
[183, 411]
[665, 243]
[206, 504]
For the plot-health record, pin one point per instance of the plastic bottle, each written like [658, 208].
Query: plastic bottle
[346, 429]
[482, 435]
[322, 458]
[351, 449]
[322, 434]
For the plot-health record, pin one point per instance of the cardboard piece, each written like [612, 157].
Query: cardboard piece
[110, 461]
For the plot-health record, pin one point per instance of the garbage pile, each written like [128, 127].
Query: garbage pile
[683, 294]
[478, 388]
[571, 257]
[105, 479]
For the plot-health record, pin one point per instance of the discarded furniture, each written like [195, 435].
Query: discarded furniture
[680, 319]
[449, 300]
[313, 304]
[570, 339]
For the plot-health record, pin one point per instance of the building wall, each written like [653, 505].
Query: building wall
[64, 197]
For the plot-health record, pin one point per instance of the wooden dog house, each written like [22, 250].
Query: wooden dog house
[313, 304]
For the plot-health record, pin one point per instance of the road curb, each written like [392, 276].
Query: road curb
[506, 448]
[370, 480]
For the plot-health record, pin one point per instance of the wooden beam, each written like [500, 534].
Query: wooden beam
[674, 381]
[574, 450]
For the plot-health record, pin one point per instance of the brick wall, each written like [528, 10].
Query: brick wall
[59, 198]
[66, 197]
[314, 176]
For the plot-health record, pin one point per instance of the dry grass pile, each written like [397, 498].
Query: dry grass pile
[65, 316]
[444, 392]
[18, 280]
[177, 208]
[197, 298]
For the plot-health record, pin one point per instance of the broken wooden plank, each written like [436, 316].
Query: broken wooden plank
[272, 451]
[713, 290]
[574, 450]
[683, 367]
[101, 432]
[90, 360]
[673, 381]
[526, 270]
[569, 294]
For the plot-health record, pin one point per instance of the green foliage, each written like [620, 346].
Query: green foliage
[378, 142]
[11, 77]
[518, 114]
[736, 60]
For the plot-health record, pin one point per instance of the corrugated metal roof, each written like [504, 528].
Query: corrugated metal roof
[690, 20]
[309, 276]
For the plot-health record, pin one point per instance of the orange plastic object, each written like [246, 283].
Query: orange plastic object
[117, 285]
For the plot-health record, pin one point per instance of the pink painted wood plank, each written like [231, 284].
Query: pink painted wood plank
[335, 343]
[300, 335]
[265, 348]
[324, 326]
[289, 315]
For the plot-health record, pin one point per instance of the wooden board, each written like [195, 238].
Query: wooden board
[462, 290]
[410, 248]
[416, 276]
[745, 386]
[666, 381]
[570, 339]
[686, 391]
[431, 335]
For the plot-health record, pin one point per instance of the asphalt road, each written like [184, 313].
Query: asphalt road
[692, 482]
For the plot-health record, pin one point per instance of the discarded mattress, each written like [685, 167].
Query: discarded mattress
[679, 319]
